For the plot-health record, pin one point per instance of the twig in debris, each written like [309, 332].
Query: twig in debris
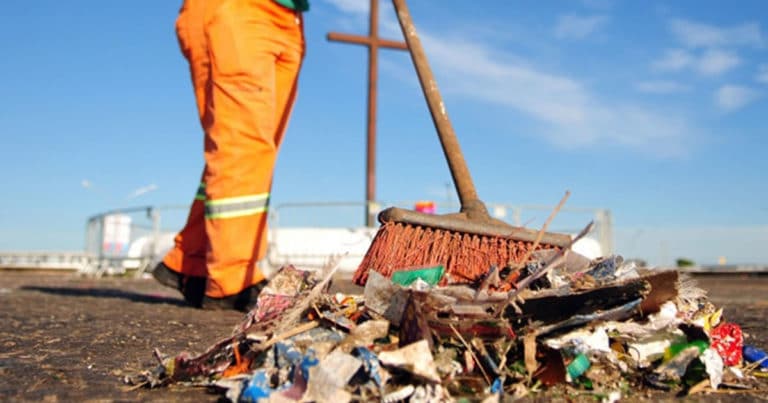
[703, 386]
[130, 388]
[515, 306]
[529, 354]
[753, 392]
[158, 356]
[503, 361]
[293, 317]
[553, 261]
[288, 334]
[474, 357]
[753, 365]
[540, 235]
[491, 279]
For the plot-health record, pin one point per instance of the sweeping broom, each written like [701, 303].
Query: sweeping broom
[468, 243]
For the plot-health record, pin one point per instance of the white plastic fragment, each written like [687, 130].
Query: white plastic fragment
[612, 397]
[398, 395]
[652, 348]
[365, 334]
[429, 394]
[328, 378]
[378, 292]
[415, 358]
[626, 271]
[419, 285]
[668, 310]
[582, 341]
[713, 363]
[666, 318]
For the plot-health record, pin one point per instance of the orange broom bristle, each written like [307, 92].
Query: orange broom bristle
[466, 257]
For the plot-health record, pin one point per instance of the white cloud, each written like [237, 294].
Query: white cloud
[143, 190]
[674, 60]
[731, 97]
[544, 96]
[568, 113]
[709, 62]
[578, 27]
[714, 62]
[695, 34]
[351, 6]
[86, 184]
[661, 87]
[762, 74]
[563, 110]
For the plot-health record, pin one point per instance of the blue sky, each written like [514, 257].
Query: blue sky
[655, 110]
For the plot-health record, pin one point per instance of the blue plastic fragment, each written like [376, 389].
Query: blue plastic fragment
[257, 388]
[308, 361]
[286, 354]
[754, 354]
[371, 363]
[606, 269]
[496, 386]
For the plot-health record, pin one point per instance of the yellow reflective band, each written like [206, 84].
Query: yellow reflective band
[239, 199]
[237, 206]
[233, 214]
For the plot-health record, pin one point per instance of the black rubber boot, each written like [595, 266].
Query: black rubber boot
[191, 287]
[167, 277]
[243, 301]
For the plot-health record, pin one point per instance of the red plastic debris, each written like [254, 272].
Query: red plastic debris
[728, 341]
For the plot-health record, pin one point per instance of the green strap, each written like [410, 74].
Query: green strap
[200, 192]
[298, 5]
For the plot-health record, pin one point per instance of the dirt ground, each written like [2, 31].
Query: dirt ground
[68, 338]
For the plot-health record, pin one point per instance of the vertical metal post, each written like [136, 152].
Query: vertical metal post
[370, 165]
[155, 231]
[606, 231]
[517, 216]
[373, 42]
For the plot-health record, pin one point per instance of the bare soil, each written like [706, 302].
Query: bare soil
[64, 337]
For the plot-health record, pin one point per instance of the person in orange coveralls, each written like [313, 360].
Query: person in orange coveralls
[244, 58]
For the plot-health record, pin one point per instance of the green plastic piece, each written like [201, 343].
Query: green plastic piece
[430, 275]
[578, 366]
[676, 348]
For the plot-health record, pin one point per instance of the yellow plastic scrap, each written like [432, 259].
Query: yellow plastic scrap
[710, 320]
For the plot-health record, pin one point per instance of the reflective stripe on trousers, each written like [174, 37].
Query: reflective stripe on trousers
[236, 206]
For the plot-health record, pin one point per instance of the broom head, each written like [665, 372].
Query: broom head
[466, 246]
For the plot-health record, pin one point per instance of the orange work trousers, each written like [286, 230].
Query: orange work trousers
[244, 58]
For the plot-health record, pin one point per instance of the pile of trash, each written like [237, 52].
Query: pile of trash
[605, 328]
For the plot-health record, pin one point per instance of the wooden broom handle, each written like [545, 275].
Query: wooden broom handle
[456, 163]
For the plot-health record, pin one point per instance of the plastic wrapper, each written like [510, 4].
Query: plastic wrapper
[728, 341]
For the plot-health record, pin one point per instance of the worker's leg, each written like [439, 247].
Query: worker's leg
[188, 254]
[287, 75]
[246, 40]
[287, 67]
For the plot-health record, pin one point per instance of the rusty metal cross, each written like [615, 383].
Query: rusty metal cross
[373, 42]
